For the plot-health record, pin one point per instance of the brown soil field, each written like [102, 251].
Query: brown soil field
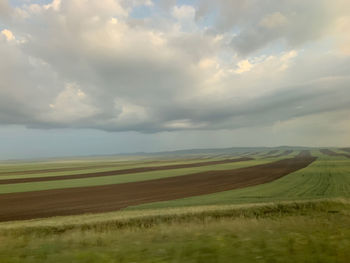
[286, 152]
[77, 168]
[331, 153]
[38, 204]
[123, 171]
[90, 166]
[63, 169]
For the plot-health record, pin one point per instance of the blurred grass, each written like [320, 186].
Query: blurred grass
[286, 232]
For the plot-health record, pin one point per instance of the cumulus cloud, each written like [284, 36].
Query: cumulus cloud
[70, 105]
[184, 12]
[82, 64]
[273, 20]
[243, 66]
[8, 34]
[257, 24]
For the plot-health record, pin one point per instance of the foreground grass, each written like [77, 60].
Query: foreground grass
[327, 177]
[289, 232]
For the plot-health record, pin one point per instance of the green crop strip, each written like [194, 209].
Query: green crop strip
[326, 177]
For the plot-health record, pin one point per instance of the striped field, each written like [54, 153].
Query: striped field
[284, 206]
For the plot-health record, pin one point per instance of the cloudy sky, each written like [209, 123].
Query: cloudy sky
[84, 77]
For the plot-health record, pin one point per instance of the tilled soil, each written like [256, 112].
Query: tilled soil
[38, 204]
[331, 153]
[123, 171]
[61, 169]
[71, 169]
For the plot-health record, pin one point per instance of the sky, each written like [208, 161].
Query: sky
[86, 77]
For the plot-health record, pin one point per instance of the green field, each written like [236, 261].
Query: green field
[118, 179]
[80, 167]
[289, 232]
[327, 177]
[301, 217]
[117, 165]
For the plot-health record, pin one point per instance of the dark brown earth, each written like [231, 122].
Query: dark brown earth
[76, 168]
[38, 204]
[331, 153]
[123, 171]
[62, 169]
[286, 152]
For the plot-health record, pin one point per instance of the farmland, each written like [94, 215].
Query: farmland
[326, 177]
[174, 131]
[184, 207]
[297, 232]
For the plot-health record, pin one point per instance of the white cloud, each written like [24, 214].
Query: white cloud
[258, 25]
[96, 66]
[273, 20]
[183, 124]
[129, 113]
[55, 5]
[184, 12]
[342, 29]
[243, 66]
[8, 35]
[71, 105]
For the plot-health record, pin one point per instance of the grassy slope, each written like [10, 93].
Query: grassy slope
[89, 168]
[304, 231]
[295, 232]
[326, 177]
[105, 180]
[53, 164]
[94, 165]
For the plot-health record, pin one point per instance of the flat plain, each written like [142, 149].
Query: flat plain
[254, 205]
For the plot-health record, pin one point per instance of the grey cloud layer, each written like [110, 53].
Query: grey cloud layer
[95, 66]
[259, 23]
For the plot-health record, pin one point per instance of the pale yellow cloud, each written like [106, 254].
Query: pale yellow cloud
[55, 5]
[343, 34]
[183, 124]
[8, 35]
[243, 66]
[208, 63]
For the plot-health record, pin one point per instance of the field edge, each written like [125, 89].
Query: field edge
[149, 218]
